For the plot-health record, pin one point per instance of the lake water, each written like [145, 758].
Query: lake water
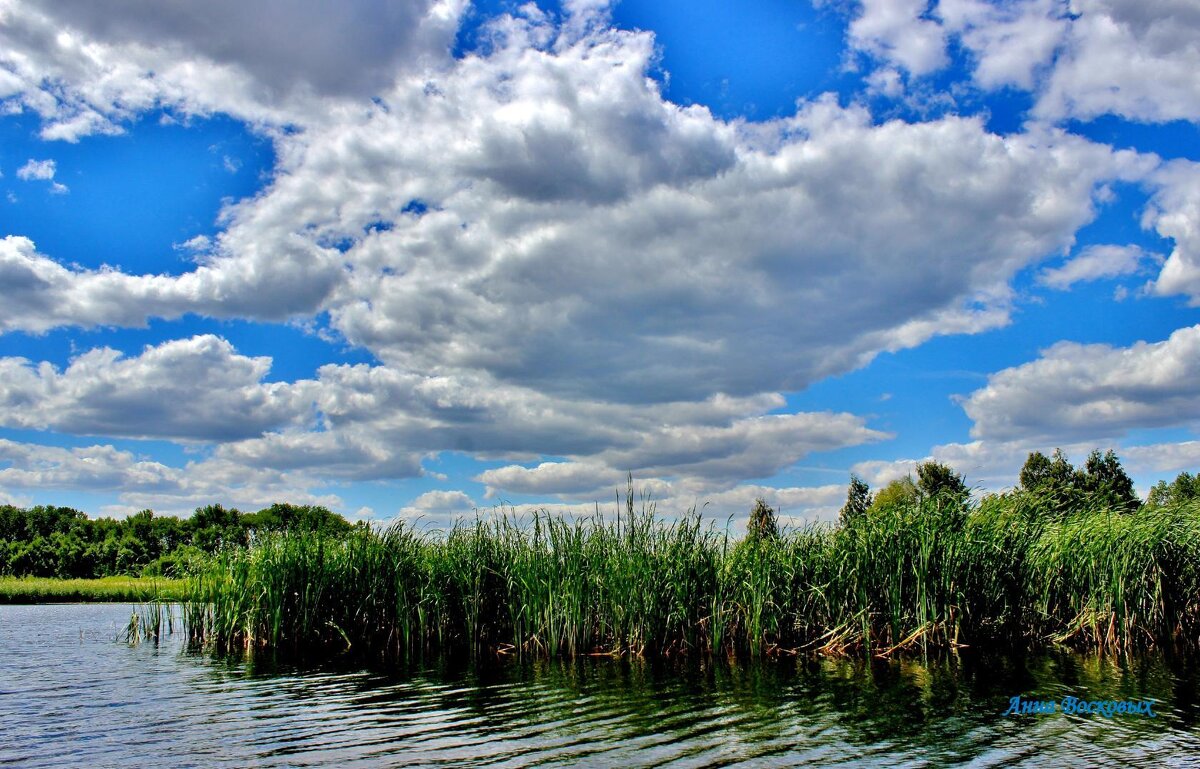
[70, 695]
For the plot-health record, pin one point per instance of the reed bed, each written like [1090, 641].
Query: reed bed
[937, 573]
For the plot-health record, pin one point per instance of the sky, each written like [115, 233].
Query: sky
[422, 258]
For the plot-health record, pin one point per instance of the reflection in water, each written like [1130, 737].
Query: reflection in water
[70, 695]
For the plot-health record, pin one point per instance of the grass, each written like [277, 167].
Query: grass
[931, 574]
[114, 589]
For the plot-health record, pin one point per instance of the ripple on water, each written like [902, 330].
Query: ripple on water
[71, 695]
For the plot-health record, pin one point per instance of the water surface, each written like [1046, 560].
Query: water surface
[71, 695]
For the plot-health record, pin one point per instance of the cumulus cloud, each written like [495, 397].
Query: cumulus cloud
[1164, 457]
[1131, 58]
[86, 67]
[42, 170]
[37, 169]
[43, 294]
[1094, 263]
[901, 32]
[570, 218]
[546, 257]
[144, 483]
[439, 506]
[1082, 59]
[187, 389]
[1174, 212]
[1077, 391]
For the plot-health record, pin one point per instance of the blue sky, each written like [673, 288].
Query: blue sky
[417, 258]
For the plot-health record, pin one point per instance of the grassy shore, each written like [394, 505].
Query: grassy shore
[933, 574]
[114, 589]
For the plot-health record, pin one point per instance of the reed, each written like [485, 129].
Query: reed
[932, 573]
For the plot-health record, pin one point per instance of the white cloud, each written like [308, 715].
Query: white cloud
[1174, 212]
[37, 169]
[188, 389]
[569, 265]
[900, 31]
[1010, 43]
[1096, 391]
[143, 483]
[440, 506]
[1094, 263]
[1164, 457]
[42, 170]
[43, 294]
[86, 67]
[1134, 58]
[1082, 59]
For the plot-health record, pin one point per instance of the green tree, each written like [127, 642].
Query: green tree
[763, 525]
[901, 491]
[1035, 473]
[1105, 483]
[936, 479]
[858, 501]
[1184, 488]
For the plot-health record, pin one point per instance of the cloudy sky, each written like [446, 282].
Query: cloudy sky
[418, 257]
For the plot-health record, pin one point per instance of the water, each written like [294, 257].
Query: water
[70, 695]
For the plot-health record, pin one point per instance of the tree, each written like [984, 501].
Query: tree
[937, 479]
[762, 525]
[1035, 473]
[858, 501]
[899, 492]
[1105, 483]
[1184, 488]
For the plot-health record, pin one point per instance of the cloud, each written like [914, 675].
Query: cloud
[86, 67]
[143, 483]
[1094, 263]
[545, 257]
[570, 218]
[1092, 392]
[439, 506]
[42, 170]
[37, 169]
[1081, 59]
[196, 389]
[899, 31]
[1174, 212]
[1129, 58]
[43, 294]
[550, 478]
[1164, 457]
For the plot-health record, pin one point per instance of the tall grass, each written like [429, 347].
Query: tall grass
[117, 589]
[934, 573]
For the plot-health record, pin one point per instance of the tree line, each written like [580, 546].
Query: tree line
[1050, 486]
[48, 541]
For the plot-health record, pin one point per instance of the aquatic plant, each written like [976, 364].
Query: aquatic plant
[932, 570]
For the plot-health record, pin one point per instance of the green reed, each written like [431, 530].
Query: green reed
[936, 573]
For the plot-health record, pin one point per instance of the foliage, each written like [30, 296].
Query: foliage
[1101, 483]
[901, 491]
[1185, 488]
[762, 523]
[919, 571]
[858, 501]
[62, 542]
[936, 478]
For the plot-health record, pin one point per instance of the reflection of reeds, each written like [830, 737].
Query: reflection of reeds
[918, 575]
